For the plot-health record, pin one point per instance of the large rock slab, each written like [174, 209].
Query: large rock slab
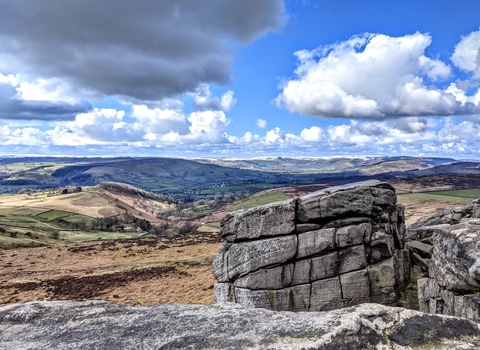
[355, 199]
[455, 262]
[274, 219]
[451, 265]
[108, 326]
[246, 257]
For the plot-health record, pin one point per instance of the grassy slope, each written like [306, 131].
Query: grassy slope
[24, 225]
[265, 198]
[454, 197]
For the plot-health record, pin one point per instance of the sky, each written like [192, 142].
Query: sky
[240, 79]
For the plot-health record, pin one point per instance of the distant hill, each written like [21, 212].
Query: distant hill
[189, 180]
[102, 201]
[332, 165]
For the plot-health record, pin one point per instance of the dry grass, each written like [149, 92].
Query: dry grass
[29, 274]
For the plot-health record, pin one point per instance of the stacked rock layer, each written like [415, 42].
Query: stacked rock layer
[334, 248]
[453, 286]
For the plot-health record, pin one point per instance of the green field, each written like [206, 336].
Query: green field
[455, 196]
[27, 227]
[266, 198]
[53, 215]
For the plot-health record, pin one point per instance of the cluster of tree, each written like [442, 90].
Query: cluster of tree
[187, 227]
[105, 224]
[71, 189]
[50, 191]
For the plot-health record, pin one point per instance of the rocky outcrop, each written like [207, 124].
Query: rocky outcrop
[453, 283]
[444, 250]
[334, 248]
[109, 326]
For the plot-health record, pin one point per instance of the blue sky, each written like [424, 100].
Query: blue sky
[240, 78]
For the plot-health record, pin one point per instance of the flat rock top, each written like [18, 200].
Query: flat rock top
[105, 325]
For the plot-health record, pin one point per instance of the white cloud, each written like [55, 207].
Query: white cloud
[208, 126]
[261, 123]
[207, 133]
[52, 90]
[275, 135]
[467, 53]
[313, 134]
[204, 100]
[102, 126]
[371, 77]
[161, 120]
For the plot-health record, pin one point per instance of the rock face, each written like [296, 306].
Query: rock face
[453, 283]
[445, 253]
[334, 248]
[228, 326]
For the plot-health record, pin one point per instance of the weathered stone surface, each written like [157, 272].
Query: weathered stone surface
[224, 293]
[454, 268]
[324, 266]
[382, 282]
[273, 278]
[438, 300]
[302, 272]
[347, 222]
[422, 249]
[227, 326]
[250, 256]
[351, 259]
[301, 228]
[314, 242]
[332, 243]
[352, 235]
[219, 266]
[274, 219]
[417, 233]
[326, 295]
[355, 288]
[352, 202]
[424, 264]
[291, 298]
[455, 262]
[381, 247]
[318, 268]
[384, 197]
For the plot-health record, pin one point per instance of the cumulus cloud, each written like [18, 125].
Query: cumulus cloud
[204, 100]
[371, 76]
[42, 100]
[467, 53]
[207, 133]
[144, 51]
[150, 126]
[313, 134]
[261, 123]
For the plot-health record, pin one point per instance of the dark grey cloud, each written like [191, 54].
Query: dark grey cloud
[140, 50]
[15, 109]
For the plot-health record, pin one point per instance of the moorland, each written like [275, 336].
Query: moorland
[145, 230]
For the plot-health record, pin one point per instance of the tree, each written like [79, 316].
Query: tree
[55, 234]
[187, 228]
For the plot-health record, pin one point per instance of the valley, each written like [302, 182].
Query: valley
[81, 242]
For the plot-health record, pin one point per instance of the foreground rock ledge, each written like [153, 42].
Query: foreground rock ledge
[105, 325]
